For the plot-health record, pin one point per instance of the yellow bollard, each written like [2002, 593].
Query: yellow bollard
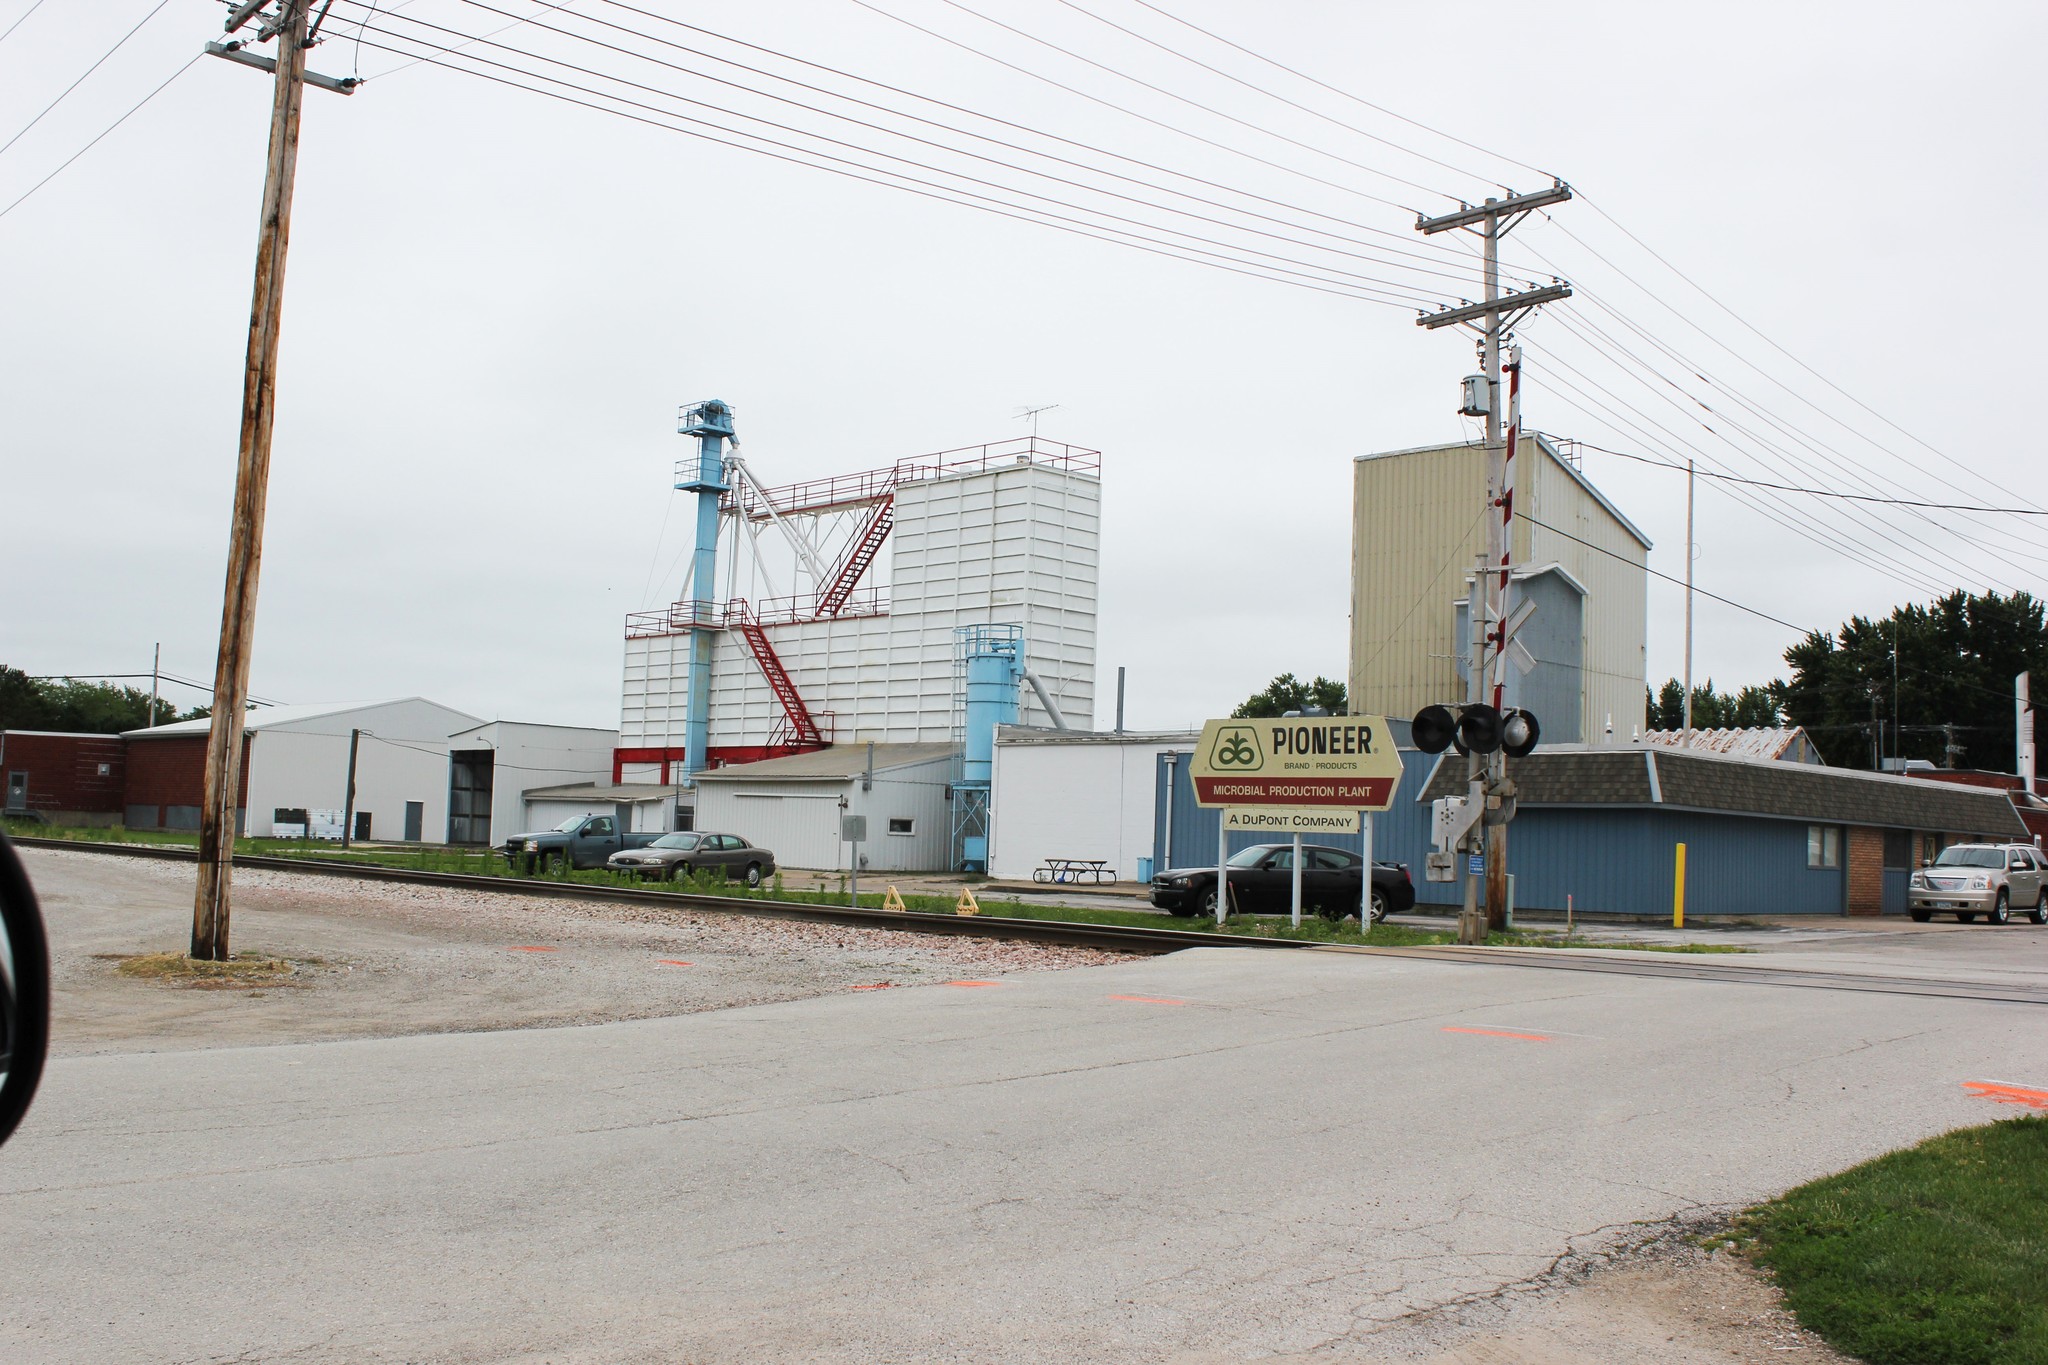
[967, 905]
[892, 901]
[1678, 891]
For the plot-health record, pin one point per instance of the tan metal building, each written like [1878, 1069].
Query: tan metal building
[1417, 528]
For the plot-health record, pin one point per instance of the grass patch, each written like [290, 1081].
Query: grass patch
[240, 972]
[1935, 1255]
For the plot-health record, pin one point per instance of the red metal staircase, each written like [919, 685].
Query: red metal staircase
[859, 555]
[802, 727]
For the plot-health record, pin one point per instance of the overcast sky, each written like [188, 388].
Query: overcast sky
[497, 301]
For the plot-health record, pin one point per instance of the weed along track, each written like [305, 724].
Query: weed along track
[1116, 937]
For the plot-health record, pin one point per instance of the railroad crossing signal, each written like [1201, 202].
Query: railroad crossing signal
[1475, 729]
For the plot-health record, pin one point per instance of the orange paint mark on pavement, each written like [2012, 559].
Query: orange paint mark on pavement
[878, 986]
[1498, 1033]
[528, 948]
[1149, 999]
[974, 983]
[672, 962]
[2000, 1093]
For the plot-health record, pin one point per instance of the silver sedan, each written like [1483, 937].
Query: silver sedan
[678, 855]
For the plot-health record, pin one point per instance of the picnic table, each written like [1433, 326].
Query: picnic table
[1076, 871]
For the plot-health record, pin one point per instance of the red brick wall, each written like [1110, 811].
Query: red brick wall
[1864, 869]
[64, 770]
[172, 772]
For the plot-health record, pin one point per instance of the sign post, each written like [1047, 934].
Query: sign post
[1296, 775]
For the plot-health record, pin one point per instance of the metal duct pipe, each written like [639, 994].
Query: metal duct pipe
[1052, 708]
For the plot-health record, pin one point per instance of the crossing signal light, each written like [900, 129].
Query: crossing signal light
[1476, 729]
[1518, 733]
[1433, 728]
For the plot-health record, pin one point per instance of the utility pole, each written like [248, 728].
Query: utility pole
[1492, 316]
[156, 663]
[348, 799]
[291, 25]
[1686, 742]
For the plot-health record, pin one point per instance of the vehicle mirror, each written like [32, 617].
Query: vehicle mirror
[24, 991]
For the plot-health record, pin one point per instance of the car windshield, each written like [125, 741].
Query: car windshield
[1971, 857]
[675, 841]
[571, 825]
[1253, 856]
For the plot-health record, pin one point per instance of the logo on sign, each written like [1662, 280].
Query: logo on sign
[1237, 750]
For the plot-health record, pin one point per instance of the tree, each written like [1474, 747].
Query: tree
[28, 703]
[1289, 693]
[1751, 707]
[1955, 661]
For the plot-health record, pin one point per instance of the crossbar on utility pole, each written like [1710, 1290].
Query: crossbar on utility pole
[1491, 221]
[252, 481]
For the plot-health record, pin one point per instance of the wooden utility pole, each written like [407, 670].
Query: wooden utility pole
[252, 481]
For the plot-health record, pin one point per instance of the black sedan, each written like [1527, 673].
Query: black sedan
[1262, 882]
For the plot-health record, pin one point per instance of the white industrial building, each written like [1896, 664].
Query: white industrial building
[492, 767]
[1076, 795]
[298, 762]
[639, 807]
[792, 806]
[852, 638]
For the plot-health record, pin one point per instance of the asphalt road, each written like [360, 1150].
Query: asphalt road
[1211, 1156]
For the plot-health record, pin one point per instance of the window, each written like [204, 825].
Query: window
[1331, 860]
[901, 824]
[1823, 846]
[600, 825]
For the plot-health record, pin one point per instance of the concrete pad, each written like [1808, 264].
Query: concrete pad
[1216, 1155]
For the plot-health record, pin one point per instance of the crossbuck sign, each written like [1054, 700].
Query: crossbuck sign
[1348, 762]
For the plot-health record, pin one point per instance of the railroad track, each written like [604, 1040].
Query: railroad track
[1119, 938]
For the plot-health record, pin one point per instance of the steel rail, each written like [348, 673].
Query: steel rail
[1114, 937]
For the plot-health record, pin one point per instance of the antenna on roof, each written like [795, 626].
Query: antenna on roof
[1030, 414]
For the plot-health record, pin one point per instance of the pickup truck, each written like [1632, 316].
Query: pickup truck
[582, 840]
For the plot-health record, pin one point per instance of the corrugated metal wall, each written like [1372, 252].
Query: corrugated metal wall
[1618, 860]
[799, 821]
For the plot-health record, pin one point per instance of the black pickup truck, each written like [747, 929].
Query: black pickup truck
[582, 840]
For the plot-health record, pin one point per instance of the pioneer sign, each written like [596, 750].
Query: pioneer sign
[1347, 762]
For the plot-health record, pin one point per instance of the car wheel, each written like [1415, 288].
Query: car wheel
[1966, 917]
[1922, 916]
[2039, 914]
[753, 874]
[1205, 903]
[2001, 909]
[1379, 905]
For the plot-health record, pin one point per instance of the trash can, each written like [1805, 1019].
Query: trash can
[1144, 871]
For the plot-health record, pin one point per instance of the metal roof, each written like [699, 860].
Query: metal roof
[1682, 780]
[280, 717]
[1756, 741]
[612, 792]
[836, 764]
[1034, 734]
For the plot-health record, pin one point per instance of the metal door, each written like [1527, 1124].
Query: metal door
[415, 820]
[17, 790]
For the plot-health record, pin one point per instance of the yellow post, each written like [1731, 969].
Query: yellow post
[1678, 891]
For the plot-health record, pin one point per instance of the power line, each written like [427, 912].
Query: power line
[1356, 99]
[1728, 601]
[81, 80]
[914, 138]
[1811, 492]
[902, 181]
[96, 141]
[22, 20]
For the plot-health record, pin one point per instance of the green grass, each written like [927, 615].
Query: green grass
[489, 863]
[1935, 1255]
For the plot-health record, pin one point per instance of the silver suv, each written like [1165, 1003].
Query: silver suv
[1991, 880]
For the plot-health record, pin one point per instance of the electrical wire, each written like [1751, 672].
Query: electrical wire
[1726, 601]
[1810, 492]
[1294, 104]
[1435, 254]
[901, 181]
[22, 20]
[190, 63]
[81, 80]
[1337, 90]
[914, 138]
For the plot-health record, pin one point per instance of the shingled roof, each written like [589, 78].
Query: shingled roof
[1713, 782]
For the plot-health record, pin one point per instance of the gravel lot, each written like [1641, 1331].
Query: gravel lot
[380, 960]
